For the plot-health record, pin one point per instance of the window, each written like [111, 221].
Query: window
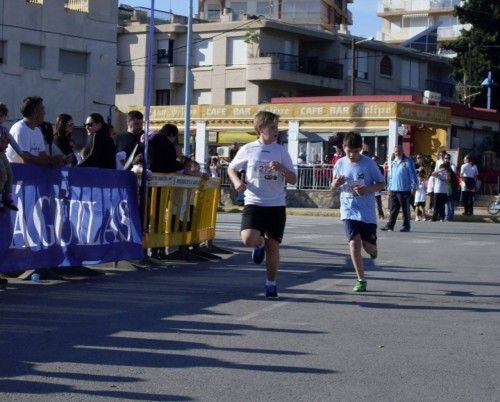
[386, 66]
[361, 64]
[165, 53]
[236, 51]
[238, 8]
[34, 1]
[81, 6]
[162, 97]
[202, 53]
[202, 97]
[72, 62]
[213, 12]
[2, 45]
[265, 8]
[31, 56]
[410, 74]
[236, 96]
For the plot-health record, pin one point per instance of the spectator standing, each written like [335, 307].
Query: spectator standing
[401, 186]
[453, 189]
[469, 175]
[163, 159]
[129, 142]
[214, 167]
[420, 194]
[444, 157]
[268, 165]
[6, 175]
[63, 130]
[378, 196]
[339, 153]
[358, 178]
[100, 151]
[440, 190]
[162, 150]
[27, 134]
[56, 155]
[233, 150]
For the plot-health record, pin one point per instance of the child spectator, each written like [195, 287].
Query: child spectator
[420, 195]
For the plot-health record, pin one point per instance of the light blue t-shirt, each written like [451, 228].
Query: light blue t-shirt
[357, 207]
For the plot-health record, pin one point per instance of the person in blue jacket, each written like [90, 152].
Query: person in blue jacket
[402, 183]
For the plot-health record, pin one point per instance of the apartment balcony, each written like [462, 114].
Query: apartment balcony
[446, 89]
[403, 34]
[399, 7]
[309, 71]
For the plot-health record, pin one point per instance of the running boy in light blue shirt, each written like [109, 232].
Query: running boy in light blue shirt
[358, 178]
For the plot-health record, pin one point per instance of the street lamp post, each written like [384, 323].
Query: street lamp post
[489, 82]
[353, 61]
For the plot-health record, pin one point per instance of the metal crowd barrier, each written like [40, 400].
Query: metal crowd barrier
[181, 210]
[312, 177]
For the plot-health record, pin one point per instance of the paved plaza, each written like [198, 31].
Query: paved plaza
[426, 329]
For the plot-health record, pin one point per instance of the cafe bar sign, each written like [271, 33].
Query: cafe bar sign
[354, 111]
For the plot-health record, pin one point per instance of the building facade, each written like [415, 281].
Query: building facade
[421, 24]
[252, 61]
[61, 50]
[328, 15]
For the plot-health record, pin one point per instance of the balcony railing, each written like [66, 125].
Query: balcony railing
[308, 65]
[415, 5]
[446, 89]
[81, 6]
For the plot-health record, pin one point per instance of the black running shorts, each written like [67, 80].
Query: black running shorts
[268, 220]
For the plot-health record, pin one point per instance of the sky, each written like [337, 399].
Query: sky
[366, 22]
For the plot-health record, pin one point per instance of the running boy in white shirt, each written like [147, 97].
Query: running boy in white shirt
[268, 165]
[358, 178]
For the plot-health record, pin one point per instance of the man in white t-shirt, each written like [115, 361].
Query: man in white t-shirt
[27, 134]
[268, 165]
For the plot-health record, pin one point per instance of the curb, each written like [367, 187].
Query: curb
[336, 214]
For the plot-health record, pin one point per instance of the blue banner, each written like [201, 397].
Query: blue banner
[70, 217]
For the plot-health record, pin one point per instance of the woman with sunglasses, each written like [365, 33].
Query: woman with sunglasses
[100, 150]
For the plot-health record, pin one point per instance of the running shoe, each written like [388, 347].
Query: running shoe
[386, 229]
[360, 286]
[258, 254]
[374, 254]
[271, 291]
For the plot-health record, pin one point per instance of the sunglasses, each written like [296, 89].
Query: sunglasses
[88, 124]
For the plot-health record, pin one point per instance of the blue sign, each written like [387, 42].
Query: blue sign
[70, 217]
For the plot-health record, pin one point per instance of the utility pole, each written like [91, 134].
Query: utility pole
[187, 97]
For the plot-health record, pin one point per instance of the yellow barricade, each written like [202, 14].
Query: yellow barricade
[205, 217]
[181, 210]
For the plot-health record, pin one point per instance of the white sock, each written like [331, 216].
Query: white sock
[270, 283]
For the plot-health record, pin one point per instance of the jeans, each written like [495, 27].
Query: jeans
[450, 208]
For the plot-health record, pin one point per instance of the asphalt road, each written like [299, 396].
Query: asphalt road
[427, 329]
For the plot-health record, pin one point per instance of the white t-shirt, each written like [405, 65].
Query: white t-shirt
[441, 182]
[264, 187]
[421, 190]
[29, 140]
[468, 170]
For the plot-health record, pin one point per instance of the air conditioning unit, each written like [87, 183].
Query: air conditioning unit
[223, 152]
[431, 98]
